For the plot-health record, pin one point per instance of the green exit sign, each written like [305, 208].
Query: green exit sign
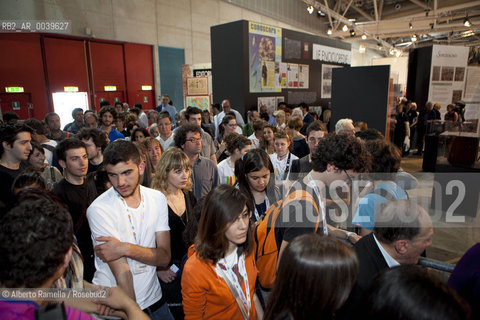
[110, 88]
[14, 89]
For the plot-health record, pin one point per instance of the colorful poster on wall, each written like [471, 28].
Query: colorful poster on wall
[265, 48]
[268, 75]
[326, 92]
[303, 70]
[280, 75]
[292, 75]
[201, 102]
[447, 82]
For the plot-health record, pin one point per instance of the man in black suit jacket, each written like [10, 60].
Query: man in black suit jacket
[402, 232]
[315, 132]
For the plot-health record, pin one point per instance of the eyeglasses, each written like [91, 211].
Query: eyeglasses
[194, 140]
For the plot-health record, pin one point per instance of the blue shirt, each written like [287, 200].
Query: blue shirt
[171, 110]
[114, 135]
[370, 203]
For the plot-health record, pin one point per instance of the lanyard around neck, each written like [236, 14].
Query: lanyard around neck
[321, 206]
[129, 213]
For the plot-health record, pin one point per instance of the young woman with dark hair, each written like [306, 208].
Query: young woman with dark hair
[237, 147]
[36, 158]
[254, 174]
[314, 279]
[218, 280]
[267, 143]
[139, 134]
[226, 127]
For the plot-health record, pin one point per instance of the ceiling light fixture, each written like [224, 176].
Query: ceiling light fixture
[352, 33]
[467, 22]
[414, 38]
[329, 31]
[410, 25]
[364, 36]
[345, 28]
[310, 9]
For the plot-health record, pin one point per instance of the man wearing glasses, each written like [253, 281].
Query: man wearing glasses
[164, 123]
[205, 177]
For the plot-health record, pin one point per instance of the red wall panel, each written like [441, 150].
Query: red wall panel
[21, 65]
[139, 71]
[107, 65]
[66, 64]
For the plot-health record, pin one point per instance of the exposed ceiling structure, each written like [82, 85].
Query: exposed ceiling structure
[393, 26]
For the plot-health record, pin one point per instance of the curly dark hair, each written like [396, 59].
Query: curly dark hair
[108, 108]
[386, 158]
[181, 134]
[35, 235]
[344, 152]
[99, 138]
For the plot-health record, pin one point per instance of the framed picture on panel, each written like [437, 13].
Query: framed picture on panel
[197, 86]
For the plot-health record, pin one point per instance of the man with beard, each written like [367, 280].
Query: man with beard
[107, 117]
[130, 231]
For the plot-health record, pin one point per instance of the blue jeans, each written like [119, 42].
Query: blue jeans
[162, 313]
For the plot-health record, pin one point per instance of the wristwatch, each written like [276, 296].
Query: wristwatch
[349, 234]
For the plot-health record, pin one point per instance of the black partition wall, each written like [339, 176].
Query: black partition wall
[361, 94]
[230, 66]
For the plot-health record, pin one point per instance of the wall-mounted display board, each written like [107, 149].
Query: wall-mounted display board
[447, 75]
[197, 86]
[252, 60]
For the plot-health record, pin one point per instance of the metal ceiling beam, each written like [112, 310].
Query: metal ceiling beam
[380, 10]
[363, 13]
[375, 9]
[343, 15]
[420, 4]
[328, 13]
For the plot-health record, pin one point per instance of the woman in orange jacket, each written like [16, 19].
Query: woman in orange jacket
[218, 279]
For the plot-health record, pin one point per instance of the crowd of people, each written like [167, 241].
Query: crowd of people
[199, 215]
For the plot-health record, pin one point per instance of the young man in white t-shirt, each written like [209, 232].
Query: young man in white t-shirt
[130, 231]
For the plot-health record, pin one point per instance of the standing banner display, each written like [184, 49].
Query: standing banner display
[447, 75]
[265, 49]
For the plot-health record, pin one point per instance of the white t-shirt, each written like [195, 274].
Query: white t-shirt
[107, 216]
[226, 173]
[48, 153]
[143, 120]
[281, 169]
[255, 141]
[166, 143]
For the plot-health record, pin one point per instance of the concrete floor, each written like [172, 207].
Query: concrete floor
[450, 240]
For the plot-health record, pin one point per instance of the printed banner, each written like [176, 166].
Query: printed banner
[330, 54]
[265, 49]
